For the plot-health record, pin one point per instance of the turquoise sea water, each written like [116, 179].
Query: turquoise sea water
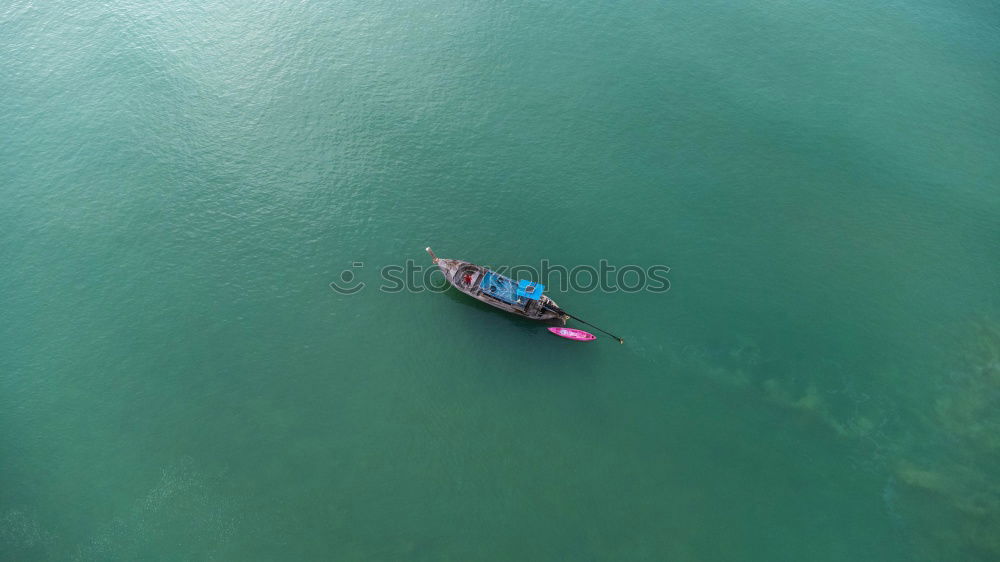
[181, 182]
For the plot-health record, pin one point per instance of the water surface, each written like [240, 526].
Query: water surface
[183, 180]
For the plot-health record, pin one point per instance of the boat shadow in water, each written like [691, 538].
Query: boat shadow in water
[490, 312]
[478, 325]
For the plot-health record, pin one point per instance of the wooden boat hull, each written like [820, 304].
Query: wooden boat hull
[466, 276]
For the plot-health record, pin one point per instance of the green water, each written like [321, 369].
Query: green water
[181, 181]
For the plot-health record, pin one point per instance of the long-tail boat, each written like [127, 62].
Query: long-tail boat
[523, 298]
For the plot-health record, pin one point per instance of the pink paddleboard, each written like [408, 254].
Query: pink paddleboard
[571, 334]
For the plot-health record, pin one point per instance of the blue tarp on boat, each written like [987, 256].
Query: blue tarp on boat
[499, 286]
[529, 289]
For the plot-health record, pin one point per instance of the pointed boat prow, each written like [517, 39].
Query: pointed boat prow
[431, 252]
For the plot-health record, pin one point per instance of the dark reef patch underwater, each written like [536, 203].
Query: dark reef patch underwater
[939, 444]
